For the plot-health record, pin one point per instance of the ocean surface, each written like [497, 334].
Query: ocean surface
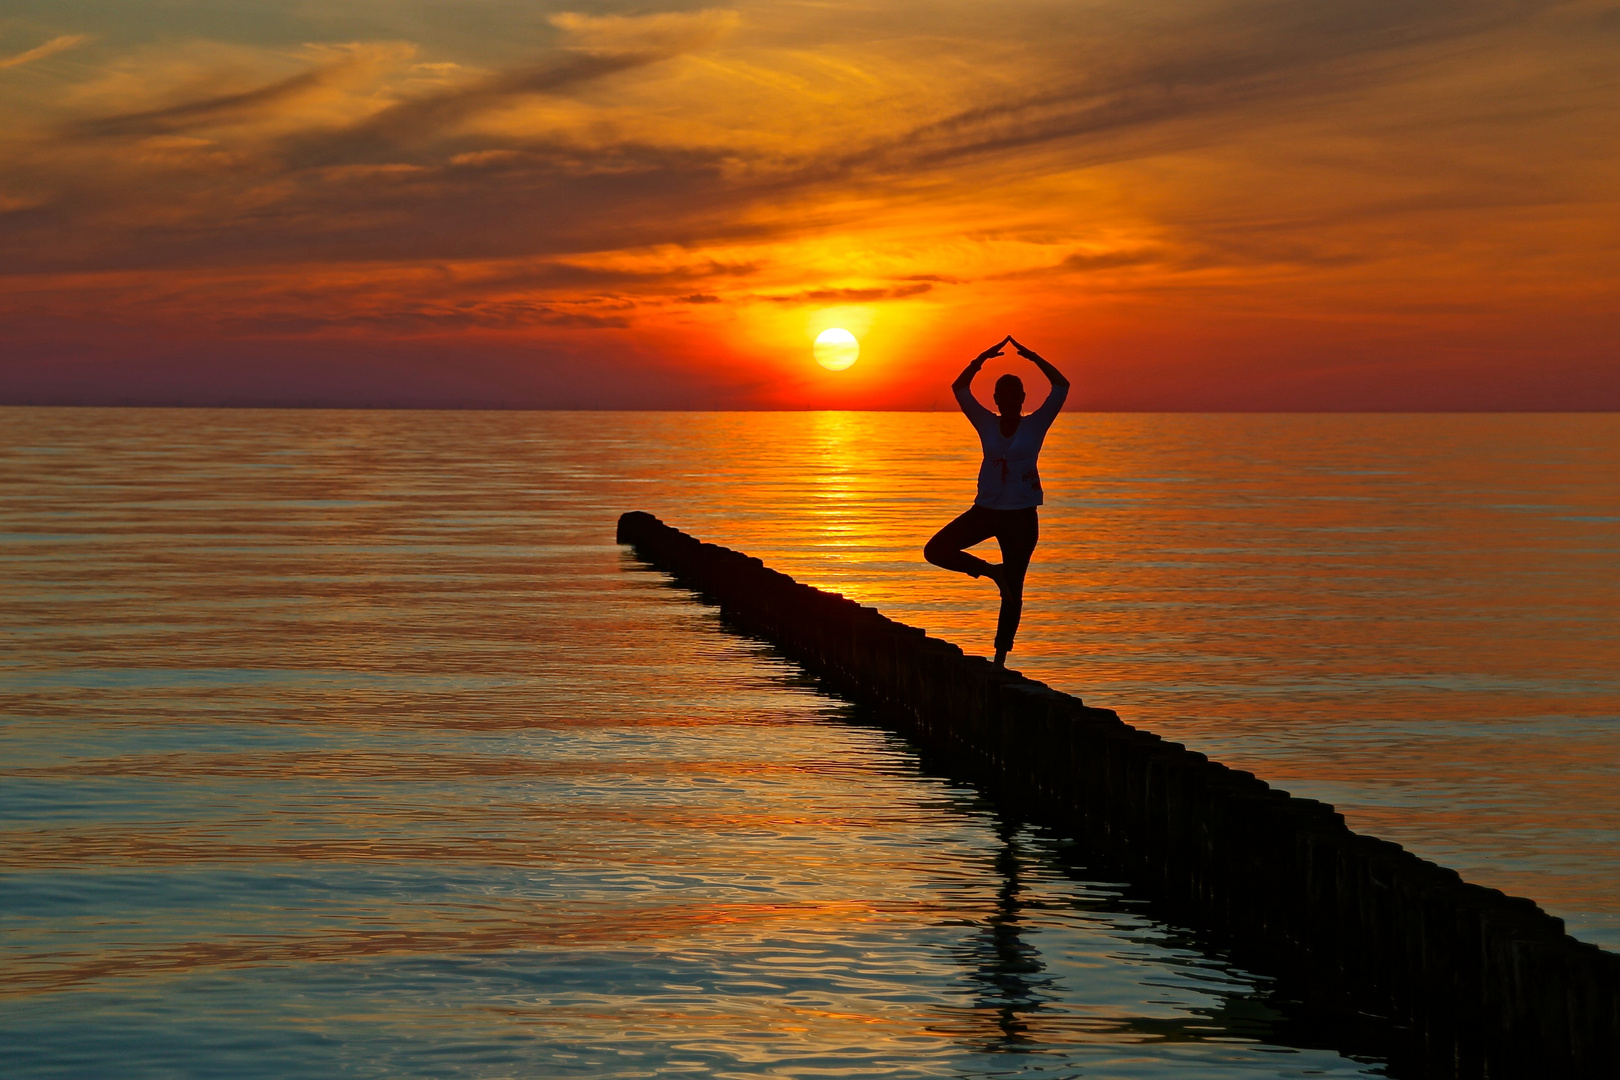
[349, 744]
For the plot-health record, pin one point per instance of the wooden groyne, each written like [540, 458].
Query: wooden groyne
[1474, 982]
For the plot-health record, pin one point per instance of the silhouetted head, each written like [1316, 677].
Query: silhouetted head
[1009, 395]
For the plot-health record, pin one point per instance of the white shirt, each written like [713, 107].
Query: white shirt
[1008, 479]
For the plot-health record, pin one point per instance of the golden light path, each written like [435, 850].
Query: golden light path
[836, 349]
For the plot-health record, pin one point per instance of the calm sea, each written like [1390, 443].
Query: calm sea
[348, 744]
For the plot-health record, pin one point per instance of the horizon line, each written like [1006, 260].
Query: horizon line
[1460, 411]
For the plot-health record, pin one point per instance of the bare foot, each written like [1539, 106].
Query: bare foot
[994, 574]
[1001, 658]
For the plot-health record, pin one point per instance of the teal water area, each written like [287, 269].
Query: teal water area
[348, 744]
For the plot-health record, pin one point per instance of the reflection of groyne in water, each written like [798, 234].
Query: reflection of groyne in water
[1477, 983]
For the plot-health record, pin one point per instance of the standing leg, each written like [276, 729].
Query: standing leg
[1017, 534]
[973, 527]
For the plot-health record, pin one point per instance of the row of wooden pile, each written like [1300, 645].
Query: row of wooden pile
[1477, 983]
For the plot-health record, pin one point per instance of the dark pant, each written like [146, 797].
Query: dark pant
[1016, 531]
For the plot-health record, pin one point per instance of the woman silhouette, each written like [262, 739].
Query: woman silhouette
[1009, 486]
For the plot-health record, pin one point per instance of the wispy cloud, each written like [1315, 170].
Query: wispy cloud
[853, 295]
[398, 127]
[40, 52]
[214, 110]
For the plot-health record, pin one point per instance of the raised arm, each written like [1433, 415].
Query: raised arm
[964, 380]
[1053, 375]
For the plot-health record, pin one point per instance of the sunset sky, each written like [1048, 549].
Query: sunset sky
[1209, 204]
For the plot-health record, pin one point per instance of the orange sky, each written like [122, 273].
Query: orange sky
[1212, 204]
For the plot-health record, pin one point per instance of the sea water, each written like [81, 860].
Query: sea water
[349, 744]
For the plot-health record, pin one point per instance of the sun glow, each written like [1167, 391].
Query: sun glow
[836, 349]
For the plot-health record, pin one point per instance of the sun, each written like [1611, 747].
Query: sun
[836, 349]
